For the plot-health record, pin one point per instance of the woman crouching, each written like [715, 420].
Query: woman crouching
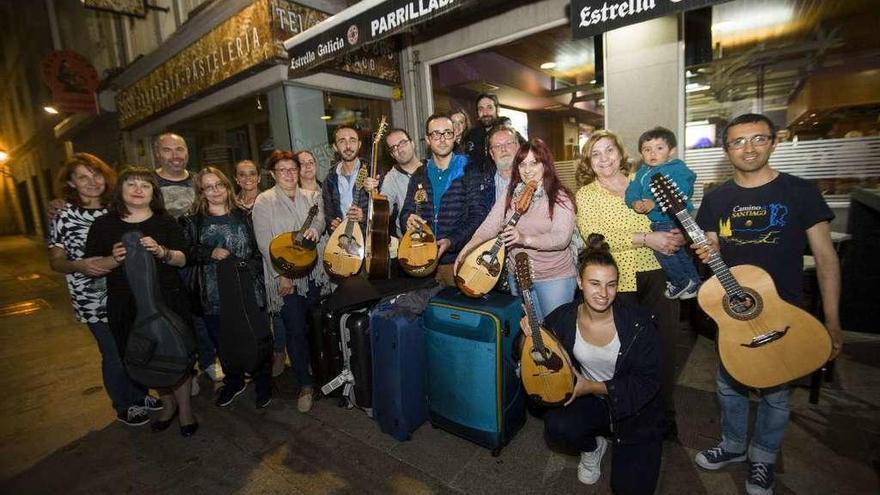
[615, 352]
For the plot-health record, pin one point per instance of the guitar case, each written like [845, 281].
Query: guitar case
[160, 350]
[245, 340]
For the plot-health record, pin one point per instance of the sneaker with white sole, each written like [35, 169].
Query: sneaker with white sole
[591, 462]
[228, 394]
[674, 292]
[717, 458]
[690, 291]
[215, 372]
[304, 402]
[761, 479]
[134, 416]
[151, 403]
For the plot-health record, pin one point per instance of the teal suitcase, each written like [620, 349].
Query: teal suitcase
[473, 388]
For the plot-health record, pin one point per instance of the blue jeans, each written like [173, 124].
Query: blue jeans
[547, 295]
[769, 425]
[206, 344]
[296, 333]
[122, 391]
[679, 267]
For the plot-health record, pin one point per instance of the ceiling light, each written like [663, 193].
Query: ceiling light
[699, 122]
[688, 73]
[50, 110]
[693, 87]
[548, 65]
[733, 19]
[592, 81]
[4, 156]
[812, 115]
[326, 117]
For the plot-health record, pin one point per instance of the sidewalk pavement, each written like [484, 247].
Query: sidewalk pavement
[59, 433]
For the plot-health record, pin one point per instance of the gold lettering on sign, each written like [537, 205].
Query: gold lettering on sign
[250, 38]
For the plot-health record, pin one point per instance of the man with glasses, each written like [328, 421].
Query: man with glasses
[504, 141]
[766, 218]
[396, 181]
[339, 191]
[454, 207]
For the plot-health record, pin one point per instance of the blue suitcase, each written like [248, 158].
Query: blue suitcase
[473, 389]
[399, 403]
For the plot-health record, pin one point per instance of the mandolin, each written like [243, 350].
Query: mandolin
[377, 255]
[293, 255]
[418, 247]
[480, 269]
[546, 370]
[763, 340]
[344, 253]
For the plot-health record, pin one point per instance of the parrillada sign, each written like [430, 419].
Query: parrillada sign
[592, 17]
[380, 21]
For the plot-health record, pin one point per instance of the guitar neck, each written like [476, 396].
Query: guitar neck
[718, 266]
[510, 223]
[533, 320]
[308, 223]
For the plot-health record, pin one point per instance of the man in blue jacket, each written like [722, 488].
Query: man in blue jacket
[454, 207]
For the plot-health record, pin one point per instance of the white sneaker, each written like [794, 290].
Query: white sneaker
[194, 391]
[215, 372]
[304, 402]
[589, 467]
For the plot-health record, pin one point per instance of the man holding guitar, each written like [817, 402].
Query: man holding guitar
[766, 218]
[454, 206]
[338, 190]
[396, 181]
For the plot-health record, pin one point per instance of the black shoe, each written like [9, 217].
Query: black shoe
[151, 403]
[263, 401]
[160, 425]
[134, 416]
[189, 430]
[228, 394]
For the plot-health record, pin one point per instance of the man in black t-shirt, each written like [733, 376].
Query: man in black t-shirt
[765, 218]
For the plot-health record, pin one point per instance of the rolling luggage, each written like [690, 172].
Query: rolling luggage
[245, 340]
[355, 329]
[473, 390]
[325, 353]
[398, 343]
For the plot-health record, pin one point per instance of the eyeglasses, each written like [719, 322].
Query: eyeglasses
[287, 171]
[393, 148]
[214, 187]
[436, 135]
[501, 146]
[758, 141]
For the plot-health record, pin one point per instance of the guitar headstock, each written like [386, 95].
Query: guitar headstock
[523, 271]
[669, 196]
[525, 198]
[359, 180]
[313, 210]
[383, 128]
[420, 195]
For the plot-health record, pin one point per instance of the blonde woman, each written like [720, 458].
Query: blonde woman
[604, 174]
[216, 229]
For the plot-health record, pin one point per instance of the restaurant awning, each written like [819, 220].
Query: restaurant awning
[359, 25]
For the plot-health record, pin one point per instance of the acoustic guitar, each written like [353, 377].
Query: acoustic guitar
[344, 253]
[377, 255]
[480, 269]
[418, 247]
[293, 255]
[546, 369]
[763, 340]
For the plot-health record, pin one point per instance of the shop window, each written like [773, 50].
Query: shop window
[550, 85]
[810, 66]
[364, 114]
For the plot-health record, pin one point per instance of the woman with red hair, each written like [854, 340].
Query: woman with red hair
[544, 231]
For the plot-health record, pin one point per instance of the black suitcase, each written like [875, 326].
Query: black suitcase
[357, 327]
[325, 353]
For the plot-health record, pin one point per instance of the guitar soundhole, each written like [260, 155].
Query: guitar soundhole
[744, 308]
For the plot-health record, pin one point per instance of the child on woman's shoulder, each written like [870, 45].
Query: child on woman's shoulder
[655, 147]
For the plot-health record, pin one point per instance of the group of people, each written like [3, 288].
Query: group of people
[621, 331]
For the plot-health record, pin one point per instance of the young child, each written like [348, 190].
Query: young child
[655, 148]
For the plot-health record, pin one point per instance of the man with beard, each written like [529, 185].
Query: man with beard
[487, 118]
[175, 181]
[454, 207]
[339, 192]
[504, 141]
[396, 181]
